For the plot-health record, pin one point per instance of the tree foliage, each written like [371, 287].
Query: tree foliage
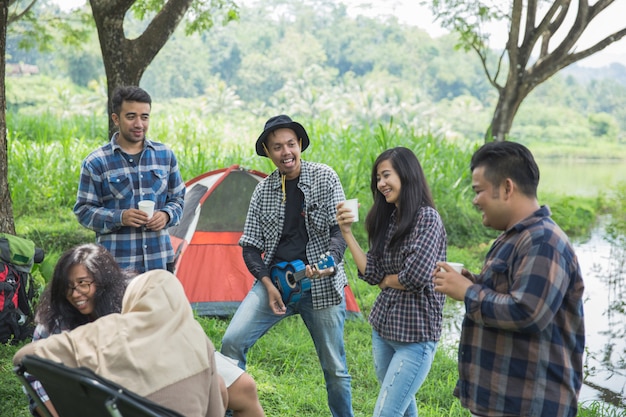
[543, 38]
[125, 59]
[309, 57]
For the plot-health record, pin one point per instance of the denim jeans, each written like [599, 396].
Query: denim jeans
[254, 318]
[401, 368]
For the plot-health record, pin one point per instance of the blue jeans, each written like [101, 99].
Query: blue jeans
[254, 318]
[401, 368]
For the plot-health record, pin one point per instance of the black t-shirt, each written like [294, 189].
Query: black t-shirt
[292, 245]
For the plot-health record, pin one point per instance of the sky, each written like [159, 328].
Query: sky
[412, 13]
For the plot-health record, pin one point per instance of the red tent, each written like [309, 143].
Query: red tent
[209, 262]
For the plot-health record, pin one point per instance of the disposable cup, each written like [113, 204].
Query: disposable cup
[353, 205]
[458, 267]
[147, 206]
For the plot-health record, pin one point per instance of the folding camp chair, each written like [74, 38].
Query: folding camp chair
[80, 392]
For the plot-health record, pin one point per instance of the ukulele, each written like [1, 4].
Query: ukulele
[288, 277]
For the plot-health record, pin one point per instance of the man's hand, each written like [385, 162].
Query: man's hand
[137, 218]
[274, 297]
[314, 273]
[450, 282]
[158, 221]
[134, 218]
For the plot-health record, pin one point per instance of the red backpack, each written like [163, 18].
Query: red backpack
[17, 256]
[12, 318]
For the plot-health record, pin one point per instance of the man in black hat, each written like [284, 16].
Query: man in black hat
[291, 225]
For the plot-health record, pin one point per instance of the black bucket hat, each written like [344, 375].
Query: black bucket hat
[281, 122]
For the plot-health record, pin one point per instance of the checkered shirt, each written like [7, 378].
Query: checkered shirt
[414, 314]
[523, 335]
[266, 215]
[111, 182]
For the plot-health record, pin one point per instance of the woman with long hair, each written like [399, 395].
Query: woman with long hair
[406, 238]
[87, 283]
[155, 348]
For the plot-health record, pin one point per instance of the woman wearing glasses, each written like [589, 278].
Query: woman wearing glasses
[87, 283]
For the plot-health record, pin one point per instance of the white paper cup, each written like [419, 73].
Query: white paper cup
[147, 206]
[458, 267]
[353, 205]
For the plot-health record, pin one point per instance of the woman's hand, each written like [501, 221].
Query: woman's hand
[345, 218]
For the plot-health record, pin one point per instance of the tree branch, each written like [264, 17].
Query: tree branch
[614, 37]
[548, 26]
[162, 26]
[483, 62]
[511, 44]
[598, 7]
[14, 17]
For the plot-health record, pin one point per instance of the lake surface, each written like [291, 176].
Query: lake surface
[584, 178]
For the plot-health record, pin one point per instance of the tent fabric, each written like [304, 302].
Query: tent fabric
[209, 260]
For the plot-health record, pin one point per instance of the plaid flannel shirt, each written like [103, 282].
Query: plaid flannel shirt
[264, 224]
[111, 182]
[414, 314]
[523, 335]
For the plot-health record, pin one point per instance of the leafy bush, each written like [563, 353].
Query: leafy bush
[575, 215]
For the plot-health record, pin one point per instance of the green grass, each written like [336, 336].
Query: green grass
[290, 381]
[45, 153]
[288, 375]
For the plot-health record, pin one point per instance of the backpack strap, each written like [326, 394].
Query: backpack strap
[9, 327]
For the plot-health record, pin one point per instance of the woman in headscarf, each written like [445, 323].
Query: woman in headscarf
[154, 348]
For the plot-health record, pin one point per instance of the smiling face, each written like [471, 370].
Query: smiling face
[388, 182]
[489, 200]
[133, 122]
[79, 294]
[284, 150]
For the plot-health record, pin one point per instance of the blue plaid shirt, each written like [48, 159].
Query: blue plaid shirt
[415, 314]
[266, 216]
[523, 335]
[112, 181]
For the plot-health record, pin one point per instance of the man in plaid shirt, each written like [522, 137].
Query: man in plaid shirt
[523, 334]
[292, 217]
[116, 176]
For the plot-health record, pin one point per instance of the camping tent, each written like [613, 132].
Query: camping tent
[209, 262]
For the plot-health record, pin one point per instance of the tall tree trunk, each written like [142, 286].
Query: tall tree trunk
[125, 60]
[7, 224]
[509, 101]
[541, 42]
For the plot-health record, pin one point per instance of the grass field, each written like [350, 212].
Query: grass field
[44, 161]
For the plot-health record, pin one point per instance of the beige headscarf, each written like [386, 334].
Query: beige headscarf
[152, 344]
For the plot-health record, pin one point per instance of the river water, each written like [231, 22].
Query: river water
[604, 273]
[603, 267]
